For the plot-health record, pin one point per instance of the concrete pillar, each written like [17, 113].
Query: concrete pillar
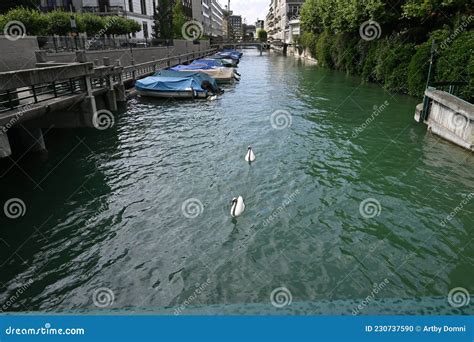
[120, 94]
[5, 149]
[111, 99]
[81, 57]
[88, 106]
[31, 139]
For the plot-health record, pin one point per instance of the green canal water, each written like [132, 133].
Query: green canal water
[104, 209]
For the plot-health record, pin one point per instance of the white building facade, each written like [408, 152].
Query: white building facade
[283, 20]
[139, 10]
[210, 14]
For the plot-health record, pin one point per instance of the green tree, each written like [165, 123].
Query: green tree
[59, 23]
[179, 19]
[262, 35]
[116, 25]
[90, 23]
[36, 24]
[163, 23]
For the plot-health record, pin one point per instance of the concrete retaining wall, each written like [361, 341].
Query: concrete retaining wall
[140, 55]
[450, 117]
[17, 55]
[301, 53]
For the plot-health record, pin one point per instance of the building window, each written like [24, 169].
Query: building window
[145, 29]
[130, 5]
[143, 5]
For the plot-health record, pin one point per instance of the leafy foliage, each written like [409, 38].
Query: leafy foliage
[399, 57]
[262, 35]
[179, 19]
[59, 22]
[163, 27]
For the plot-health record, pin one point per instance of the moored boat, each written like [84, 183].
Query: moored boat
[220, 74]
[178, 84]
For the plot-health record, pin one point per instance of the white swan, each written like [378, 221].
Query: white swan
[250, 156]
[238, 206]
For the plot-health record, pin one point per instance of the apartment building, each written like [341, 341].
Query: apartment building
[283, 20]
[139, 10]
[235, 26]
[210, 14]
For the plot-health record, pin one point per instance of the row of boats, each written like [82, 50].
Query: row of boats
[199, 79]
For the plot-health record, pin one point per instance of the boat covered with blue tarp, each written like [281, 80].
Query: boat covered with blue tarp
[231, 52]
[209, 62]
[178, 84]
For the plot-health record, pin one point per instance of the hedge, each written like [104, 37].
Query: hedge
[59, 23]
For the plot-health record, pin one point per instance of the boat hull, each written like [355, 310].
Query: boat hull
[173, 94]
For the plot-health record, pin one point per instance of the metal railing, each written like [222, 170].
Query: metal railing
[71, 44]
[19, 89]
[27, 87]
[133, 72]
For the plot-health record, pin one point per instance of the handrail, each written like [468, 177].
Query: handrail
[134, 67]
[28, 77]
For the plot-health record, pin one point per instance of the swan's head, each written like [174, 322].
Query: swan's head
[234, 200]
[249, 148]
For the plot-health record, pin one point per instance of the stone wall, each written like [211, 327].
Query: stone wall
[19, 54]
[140, 55]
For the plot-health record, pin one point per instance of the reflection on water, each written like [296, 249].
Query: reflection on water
[105, 208]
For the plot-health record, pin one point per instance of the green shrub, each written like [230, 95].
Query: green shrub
[308, 41]
[369, 63]
[396, 78]
[59, 23]
[90, 23]
[470, 89]
[323, 49]
[36, 24]
[418, 69]
[452, 63]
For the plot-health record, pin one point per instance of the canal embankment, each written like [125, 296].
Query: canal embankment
[74, 89]
[448, 116]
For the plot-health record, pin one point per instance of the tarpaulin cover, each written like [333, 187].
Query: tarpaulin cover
[191, 67]
[231, 54]
[209, 62]
[169, 80]
[232, 51]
